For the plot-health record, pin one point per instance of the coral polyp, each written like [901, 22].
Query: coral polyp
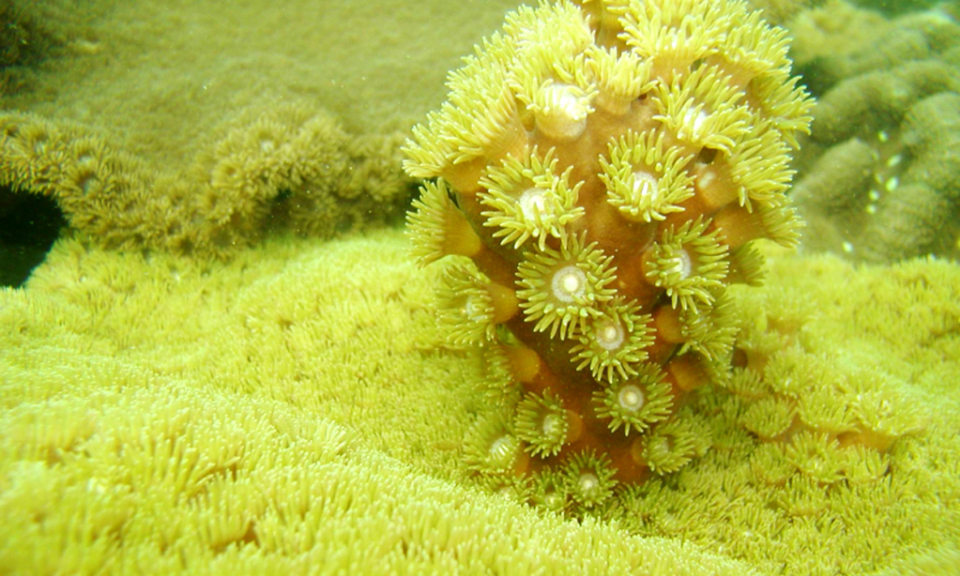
[439, 227]
[589, 478]
[473, 305]
[527, 199]
[560, 289]
[690, 264]
[614, 343]
[637, 403]
[646, 180]
[606, 165]
[542, 423]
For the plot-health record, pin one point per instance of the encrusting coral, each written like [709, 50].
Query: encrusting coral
[309, 431]
[602, 169]
[296, 409]
[877, 177]
[813, 431]
[288, 167]
[29, 40]
[780, 11]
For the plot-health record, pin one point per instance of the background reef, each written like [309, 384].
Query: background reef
[160, 99]
[878, 176]
[200, 127]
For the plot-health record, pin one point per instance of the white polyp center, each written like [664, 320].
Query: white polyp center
[552, 424]
[610, 335]
[502, 448]
[568, 103]
[680, 265]
[695, 119]
[553, 500]
[563, 113]
[644, 185]
[630, 398]
[588, 483]
[663, 447]
[473, 309]
[534, 203]
[706, 178]
[569, 283]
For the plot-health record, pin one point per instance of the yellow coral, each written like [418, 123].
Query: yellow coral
[616, 159]
[281, 444]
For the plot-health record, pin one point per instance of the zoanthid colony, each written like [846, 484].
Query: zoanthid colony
[599, 173]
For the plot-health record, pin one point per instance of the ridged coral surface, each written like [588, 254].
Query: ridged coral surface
[296, 410]
[602, 170]
[877, 176]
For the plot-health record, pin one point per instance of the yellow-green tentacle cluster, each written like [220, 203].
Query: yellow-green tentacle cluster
[561, 289]
[606, 165]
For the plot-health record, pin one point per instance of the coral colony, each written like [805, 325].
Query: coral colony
[291, 166]
[882, 186]
[601, 171]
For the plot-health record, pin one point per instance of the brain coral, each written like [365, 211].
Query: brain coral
[877, 178]
[601, 171]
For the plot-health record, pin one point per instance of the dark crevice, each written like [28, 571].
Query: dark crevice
[29, 225]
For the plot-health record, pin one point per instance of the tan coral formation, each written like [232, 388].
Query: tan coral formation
[603, 169]
[291, 167]
[877, 180]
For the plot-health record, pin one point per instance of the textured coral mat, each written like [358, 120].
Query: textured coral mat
[298, 408]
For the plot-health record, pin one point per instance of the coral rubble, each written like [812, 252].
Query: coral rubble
[877, 181]
[289, 167]
[602, 171]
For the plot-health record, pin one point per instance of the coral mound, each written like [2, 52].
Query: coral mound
[602, 170]
[877, 178]
[289, 167]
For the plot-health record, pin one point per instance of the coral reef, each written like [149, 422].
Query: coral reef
[877, 180]
[311, 430]
[158, 80]
[29, 41]
[816, 431]
[904, 6]
[318, 426]
[163, 85]
[779, 11]
[289, 167]
[23, 43]
[603, 170]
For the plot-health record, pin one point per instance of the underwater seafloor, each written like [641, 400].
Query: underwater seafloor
[257, 390]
